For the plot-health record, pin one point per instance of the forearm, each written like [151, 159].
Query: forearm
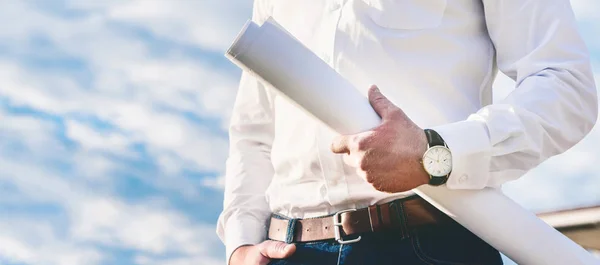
[248, 168]
[553, 106]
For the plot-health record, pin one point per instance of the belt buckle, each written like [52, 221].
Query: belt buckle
[337, 225]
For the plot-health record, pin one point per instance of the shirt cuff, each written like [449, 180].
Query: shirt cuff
[242, 231]
[470, 146]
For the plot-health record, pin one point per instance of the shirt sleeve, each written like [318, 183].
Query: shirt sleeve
[553, 106]
[248, 168]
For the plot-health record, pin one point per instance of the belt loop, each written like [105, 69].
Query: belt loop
[291, 230]
[385, 216]
[401, 215]
[374, 217]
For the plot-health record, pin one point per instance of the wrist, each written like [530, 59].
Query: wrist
[437, 159]
[422, 144]
[422, 174]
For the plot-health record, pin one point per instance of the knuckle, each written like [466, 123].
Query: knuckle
[395, 114]
[363, 164]
[365, 174]
[364, 142]
[335, 144]
[369, 177]
[363, 145]
[377, 186]
[379, 99]
[333, 147]
[340, 144]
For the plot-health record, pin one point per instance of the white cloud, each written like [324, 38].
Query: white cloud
[148, 227]
[92, 215]
[33, 242]
[217, 183]
[14, 250]
[144, 260]
[164, 132]
[93, 166]
[131, 87]
[210, 24]
[36, 181]
[94, 218]
[27, 129]
[91, 139]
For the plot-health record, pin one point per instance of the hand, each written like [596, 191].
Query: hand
[262, 253]
[389, 156]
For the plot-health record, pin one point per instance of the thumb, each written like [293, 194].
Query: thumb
[381, 104]
[276, 250]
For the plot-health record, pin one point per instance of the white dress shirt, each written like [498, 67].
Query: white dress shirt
[436, 60]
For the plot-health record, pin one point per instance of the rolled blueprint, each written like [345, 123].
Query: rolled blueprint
[274, 56]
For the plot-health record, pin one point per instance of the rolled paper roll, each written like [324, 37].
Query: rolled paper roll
[274, 56]
[278, 59]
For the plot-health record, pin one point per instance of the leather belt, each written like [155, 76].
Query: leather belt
[412, 212]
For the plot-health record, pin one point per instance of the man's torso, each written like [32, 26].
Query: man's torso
[432, 58]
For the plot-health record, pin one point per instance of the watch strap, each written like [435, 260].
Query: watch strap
[434, 138]
[437, 181]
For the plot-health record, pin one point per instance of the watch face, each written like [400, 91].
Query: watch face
[437, 161]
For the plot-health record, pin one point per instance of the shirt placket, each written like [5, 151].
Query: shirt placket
[332, 165]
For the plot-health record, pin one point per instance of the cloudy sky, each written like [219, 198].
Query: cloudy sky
[113, 118]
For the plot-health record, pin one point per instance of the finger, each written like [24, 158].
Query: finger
[276, 250]
[381, 104]
[339, 145]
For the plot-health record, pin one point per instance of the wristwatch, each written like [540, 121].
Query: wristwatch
[437, 160]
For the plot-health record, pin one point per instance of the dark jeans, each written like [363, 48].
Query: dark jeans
[439, 244]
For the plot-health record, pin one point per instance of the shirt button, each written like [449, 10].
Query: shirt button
[463, 178]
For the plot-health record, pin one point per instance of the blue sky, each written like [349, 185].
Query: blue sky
[113, 131]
